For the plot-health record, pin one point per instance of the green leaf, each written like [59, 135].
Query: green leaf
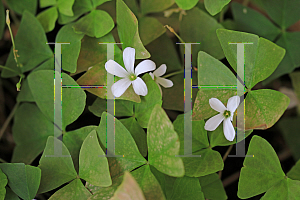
[123, 108]
[93, 166]
[251, 21]
[73, 141]
[199, 137]
[56, 169]
[150, 29]
[144, 109]
[202, 109]
[23, 179]
[3, 182]
[286, 189]
[129, 189]
[291, 42]
[294, 173]
[289, 128]
[70, 52]
[98, 2]
[2, 21]
[138, 134]
[80, 7]
[214, 7]
[65, 7]
[46, 3]
[31, 45]
[95, 24]
[197, 26]
[283, 12]
[31, 129]
[92, 52]
[186, 4]
[163, 51]
[212, 187]
[177, 92]
[261, 58]
[10, 195]
[128, 30]
[266, 105]
[209, 162]
[148, 183]
[25, 93]
[41, 84]
[47, 18]
[163, 144]
[74, 190]
[143, 177]
[20, 6]
[260, 172]
[187, 188]
[124, 145]
[155, 5]
[207, 73]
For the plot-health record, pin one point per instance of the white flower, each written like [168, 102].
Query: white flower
[129, 76]
[226, 115]
[161, 81]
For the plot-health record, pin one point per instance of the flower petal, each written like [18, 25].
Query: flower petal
[214, 122]
[233, 103]
[139, 87]
[120, 87]
[164, 82]
[129, 58]
[161, 70]
[217, 105]
[144, 66]
[228, 129]
[114, 68]
[152, 76]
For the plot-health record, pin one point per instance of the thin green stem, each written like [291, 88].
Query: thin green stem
[2, 130]
[224, 158]
[12, 39]
[221, 17]
[3, 67]
[3, 161]
[173, 73]
[172, 31]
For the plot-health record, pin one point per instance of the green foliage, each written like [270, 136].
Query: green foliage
[128, 189]
[214, 7]
[128, 30]
[92, 169]
[262, 173]
[31, 45]
[3, 182]
[149, 142]
[24, 180]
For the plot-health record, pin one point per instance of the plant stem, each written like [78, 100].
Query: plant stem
[12, 39]
[172, 31]
[221, 18]
[3, 67]
[224, 158]
[2, 130]
[3, 161]
[173, 73]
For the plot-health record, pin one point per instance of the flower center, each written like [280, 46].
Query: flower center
[226, 113]
[132, 77]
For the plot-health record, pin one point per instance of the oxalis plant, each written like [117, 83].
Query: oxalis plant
[128, 99]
